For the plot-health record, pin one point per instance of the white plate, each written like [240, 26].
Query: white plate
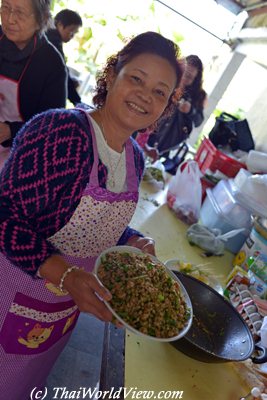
[129, 249]
[173, 265]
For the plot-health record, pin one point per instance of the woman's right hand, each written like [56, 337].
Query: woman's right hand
[87, 292]
[184, 106]
[152, 152]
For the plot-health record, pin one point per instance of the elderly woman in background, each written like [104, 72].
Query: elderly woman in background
[67, 192]
[32, 73]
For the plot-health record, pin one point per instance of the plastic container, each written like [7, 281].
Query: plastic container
[257, 162]
[224, 194]
[206, 183]
[212, 216]
[251, 191]
[209, 157]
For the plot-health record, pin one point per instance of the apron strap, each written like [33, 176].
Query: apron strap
[132, 181]
[94, 172]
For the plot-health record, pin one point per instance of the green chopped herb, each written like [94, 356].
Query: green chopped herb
[161, 297]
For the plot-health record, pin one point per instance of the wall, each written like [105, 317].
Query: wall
[257, 117]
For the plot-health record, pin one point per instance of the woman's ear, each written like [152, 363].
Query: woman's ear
[111, 75]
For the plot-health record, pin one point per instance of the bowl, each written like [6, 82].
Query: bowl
[161, 297]
[200, 272]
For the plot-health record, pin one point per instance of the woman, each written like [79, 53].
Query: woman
[29, 83]
[187, 114]
[67, 24]
[67, 192]
[194, 96]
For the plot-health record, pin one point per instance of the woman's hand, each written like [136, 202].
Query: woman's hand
[87, 293]
[146, 244]
[184, 106]
[152, 152]
[5, 132]
[82, 286]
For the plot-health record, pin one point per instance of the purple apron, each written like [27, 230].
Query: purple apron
[36, 320]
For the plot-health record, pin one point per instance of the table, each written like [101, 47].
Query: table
[154, 366]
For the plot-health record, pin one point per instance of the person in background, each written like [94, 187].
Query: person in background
[32, 73]
[187, 113]
[141, 138]
[194, 98]
[67, 24]
[67, 192]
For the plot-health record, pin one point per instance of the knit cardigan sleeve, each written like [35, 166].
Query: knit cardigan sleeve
[42, 182]
[41, 185]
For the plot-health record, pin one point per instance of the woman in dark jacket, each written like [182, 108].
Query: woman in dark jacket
[32, 72]
[67, 23]
[187, 113]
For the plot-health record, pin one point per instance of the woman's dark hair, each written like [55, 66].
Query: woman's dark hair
[148, 42]
[196, 91]
[68, 17]
[42, 13]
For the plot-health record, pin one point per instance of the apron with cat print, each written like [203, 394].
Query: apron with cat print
[36, 320]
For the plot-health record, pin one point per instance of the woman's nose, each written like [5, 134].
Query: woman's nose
[145, 94]
[12, 17]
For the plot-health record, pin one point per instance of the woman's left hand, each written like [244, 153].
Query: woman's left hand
[152, 152]
[184, 106]
[5, 133]
[146, 244]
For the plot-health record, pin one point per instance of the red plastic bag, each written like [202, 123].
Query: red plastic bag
[185, 192]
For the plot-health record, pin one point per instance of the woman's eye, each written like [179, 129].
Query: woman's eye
[160, 93]
[136, 78]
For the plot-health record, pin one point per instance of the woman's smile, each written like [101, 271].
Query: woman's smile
[136, 108]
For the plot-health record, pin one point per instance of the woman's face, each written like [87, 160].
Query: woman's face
[139, 94]
[18, 21]
[189, 75]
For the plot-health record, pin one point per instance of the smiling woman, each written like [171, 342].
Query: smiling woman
[29, 84]
[82, 205]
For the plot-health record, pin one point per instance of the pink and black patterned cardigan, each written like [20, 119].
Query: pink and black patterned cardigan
[42, 183]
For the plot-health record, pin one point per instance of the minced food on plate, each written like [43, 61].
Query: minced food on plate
[144, 295]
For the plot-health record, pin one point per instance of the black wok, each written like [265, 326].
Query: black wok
[218, 333]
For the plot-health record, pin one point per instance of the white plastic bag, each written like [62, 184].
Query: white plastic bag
[154, 174]
[185, 192]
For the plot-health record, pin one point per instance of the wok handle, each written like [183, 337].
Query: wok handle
[262, 358]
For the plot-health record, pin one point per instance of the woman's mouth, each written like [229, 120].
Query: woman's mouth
[136, 108]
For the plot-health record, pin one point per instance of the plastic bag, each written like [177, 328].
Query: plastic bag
[154, 174]
[185, 192]
[211, 240]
